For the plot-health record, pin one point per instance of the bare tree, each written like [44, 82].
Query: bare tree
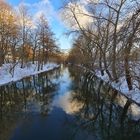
[113, 33]
[25, 26]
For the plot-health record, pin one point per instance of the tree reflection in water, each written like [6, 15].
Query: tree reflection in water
[101, 112]
[30, 95]
[66, 104]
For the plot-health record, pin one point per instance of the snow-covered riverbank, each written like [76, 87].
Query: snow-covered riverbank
[120, 86]
[19, 73]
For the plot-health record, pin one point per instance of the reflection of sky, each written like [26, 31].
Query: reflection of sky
[65, 82]
[133, 110]
[63, 98]
[66, 104]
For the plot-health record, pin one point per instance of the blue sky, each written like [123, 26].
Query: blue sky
[51, 9]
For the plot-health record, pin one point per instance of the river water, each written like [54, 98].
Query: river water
[66, 104]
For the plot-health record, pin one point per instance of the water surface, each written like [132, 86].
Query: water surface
[66, 104]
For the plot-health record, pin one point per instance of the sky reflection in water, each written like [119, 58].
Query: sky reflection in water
[60, 106]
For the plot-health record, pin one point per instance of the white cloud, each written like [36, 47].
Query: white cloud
[81, 15]
[46, 8]
[42, 7]
[89, 1]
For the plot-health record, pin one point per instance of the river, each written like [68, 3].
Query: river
[66, 104]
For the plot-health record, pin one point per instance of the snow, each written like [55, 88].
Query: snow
[125, 93]
[122, 87]
[19, 73]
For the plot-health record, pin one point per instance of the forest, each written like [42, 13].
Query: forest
[24, 40]
[106, 38]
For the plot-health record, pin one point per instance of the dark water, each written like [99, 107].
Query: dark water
[66, 104]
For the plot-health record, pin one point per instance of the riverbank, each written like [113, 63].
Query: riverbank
[19, 73]
[121, 86]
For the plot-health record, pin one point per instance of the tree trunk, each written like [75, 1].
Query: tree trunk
[127, 69]
[106, 67]
[100, 63]
[39, 57]
[2, 57]
[14, 54]
[33, 60]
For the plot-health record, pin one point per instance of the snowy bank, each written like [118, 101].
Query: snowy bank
[20, 73]
[121, 86]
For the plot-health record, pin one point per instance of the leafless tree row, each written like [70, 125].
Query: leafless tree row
[110, 41]
[22, 39]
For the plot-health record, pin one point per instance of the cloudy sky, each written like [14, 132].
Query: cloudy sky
[50, 8]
